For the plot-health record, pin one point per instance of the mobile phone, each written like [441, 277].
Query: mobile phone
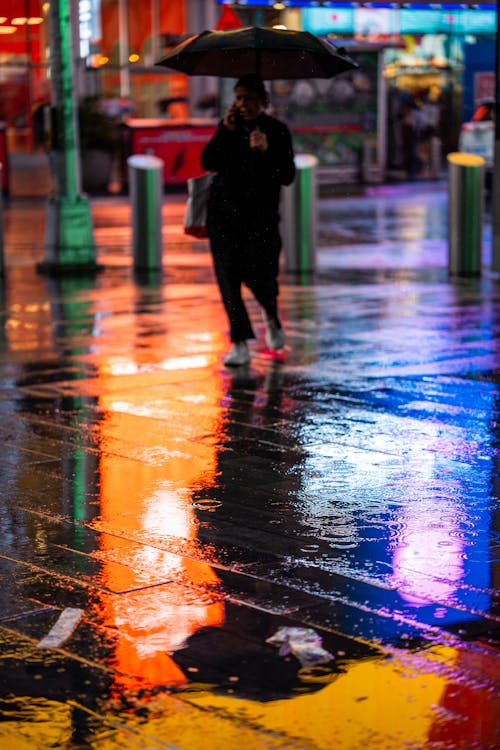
[235, 117]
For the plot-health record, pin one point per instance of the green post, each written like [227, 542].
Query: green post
[69, 243]
[465, 213]
[300, 217]
[145, 176]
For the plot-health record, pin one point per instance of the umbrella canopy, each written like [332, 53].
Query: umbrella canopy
[269, 53]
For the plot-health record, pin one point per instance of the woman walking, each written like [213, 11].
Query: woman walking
[252, 156]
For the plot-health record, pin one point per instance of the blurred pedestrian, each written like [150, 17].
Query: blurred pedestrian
[252, 156]
[40, 118]
[411, 128]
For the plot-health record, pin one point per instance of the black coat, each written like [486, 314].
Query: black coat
[248, 182]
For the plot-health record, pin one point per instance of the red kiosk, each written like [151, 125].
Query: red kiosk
[3, 158]
[178, 143]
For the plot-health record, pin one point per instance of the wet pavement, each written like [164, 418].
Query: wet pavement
[300, 554]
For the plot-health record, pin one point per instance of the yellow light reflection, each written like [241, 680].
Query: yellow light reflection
[416, 700]
[384, 704]
[40, 723]
[372, 700]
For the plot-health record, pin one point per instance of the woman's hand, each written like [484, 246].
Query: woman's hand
[258, 140]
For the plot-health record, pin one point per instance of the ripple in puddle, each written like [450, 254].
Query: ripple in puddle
[208, 505]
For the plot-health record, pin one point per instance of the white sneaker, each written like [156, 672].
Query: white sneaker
[275, 337]
[237, 355]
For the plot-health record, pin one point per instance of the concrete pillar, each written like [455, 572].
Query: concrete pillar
[201, 15]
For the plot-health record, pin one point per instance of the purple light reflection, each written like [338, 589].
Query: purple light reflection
[428, 560]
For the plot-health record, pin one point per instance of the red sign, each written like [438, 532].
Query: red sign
[179, 145]
[3, 157]
[484, 86]
[228, 20]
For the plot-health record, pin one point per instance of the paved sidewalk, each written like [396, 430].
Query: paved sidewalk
[303, 553]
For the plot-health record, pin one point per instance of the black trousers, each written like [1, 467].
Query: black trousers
[245, 250]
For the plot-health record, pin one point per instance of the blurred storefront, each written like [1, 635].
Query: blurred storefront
[438, 58]
[115, 42]
[436, 61]
[430, 71]
[23, 68]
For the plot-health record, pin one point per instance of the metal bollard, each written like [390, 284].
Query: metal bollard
[299, 225]
[465, 213]
[145, 176]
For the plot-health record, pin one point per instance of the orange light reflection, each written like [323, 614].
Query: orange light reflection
[150, 499]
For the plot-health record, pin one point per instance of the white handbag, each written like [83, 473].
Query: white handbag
[195, 217]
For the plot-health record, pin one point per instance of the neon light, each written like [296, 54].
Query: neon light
[374, 3]
[89, 25]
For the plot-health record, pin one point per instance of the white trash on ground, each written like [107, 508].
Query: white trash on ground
[62, 628]
[304, 643]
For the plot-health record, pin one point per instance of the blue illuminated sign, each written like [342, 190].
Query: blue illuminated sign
[326, 4]
[326, 21]
[391, 20]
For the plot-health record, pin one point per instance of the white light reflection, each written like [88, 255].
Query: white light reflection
[428, 554]
[424, 543]
[127, 366]
[169, 510]
[165, 618]
[185, 363]
[119, 366]
[428, 551]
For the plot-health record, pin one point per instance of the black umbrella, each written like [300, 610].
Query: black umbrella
[269, 53]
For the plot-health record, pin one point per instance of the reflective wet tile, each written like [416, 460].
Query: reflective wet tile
[187, 516]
